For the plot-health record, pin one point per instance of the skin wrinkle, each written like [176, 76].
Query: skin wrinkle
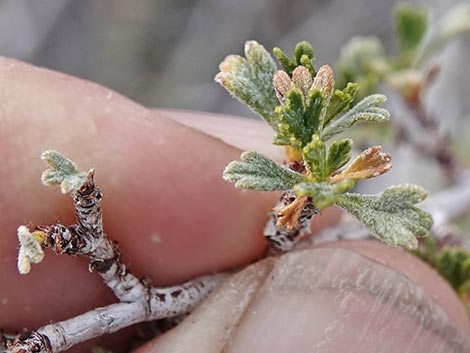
[394, 304]
[420, 273]
[410, 299]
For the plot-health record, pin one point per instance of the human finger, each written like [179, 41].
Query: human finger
[338, 298]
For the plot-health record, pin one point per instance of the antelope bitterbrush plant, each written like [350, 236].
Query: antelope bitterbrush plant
[309, 115]
[306, 112]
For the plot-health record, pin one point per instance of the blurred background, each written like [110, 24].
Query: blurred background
[165, 53]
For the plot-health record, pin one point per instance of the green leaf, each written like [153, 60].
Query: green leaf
[250, 80]
[410, 24]
[390, 215]
[323, 194]
[314, 155]
[303, 55]
[340, 101]
[62, 171]
[299, 120]
[287, 64]
[339, 154]
[454, 23]
[258, 172]
[367, 109]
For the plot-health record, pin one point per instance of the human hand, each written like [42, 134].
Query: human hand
[164, 202]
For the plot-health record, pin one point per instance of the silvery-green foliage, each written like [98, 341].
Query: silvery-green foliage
[367, 109]
[391, 215]
[258, 172]
[303, 55]
[250, 80]
[339, 154]
[309, 111]
[62, 171]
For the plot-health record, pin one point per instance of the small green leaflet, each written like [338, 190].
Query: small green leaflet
[62, 171]
[303, 55]
[314, 155]
[367, 109]
[390, 215]
[250, 80]
[258, 172]
[339, 154]
[340, 101]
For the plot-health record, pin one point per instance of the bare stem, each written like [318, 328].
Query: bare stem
[139, 302]
[161, 303]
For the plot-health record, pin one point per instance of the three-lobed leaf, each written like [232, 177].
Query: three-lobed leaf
[370, 163]
[62, 171]
[258, 172]
[250, 80]
[391, 215]
[367, 109]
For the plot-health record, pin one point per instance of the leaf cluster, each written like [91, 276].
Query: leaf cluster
[306, 110]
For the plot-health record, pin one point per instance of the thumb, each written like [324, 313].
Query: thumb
[333, 299]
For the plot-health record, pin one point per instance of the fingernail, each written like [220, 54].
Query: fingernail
[339, 301]
[318, 300]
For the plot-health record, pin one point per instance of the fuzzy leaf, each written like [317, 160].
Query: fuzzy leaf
[369, 164]
[62, 171]
[303, 55]
[30, 249]
[340, 101]
[367, 109]
[287, 64]
[323, 194]
[314, 155]
[250, 80]
[325, 82]
[339, 154]
[411, 24]
[302, 78]
[391, 215]
[299, 120]
[258, 172]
